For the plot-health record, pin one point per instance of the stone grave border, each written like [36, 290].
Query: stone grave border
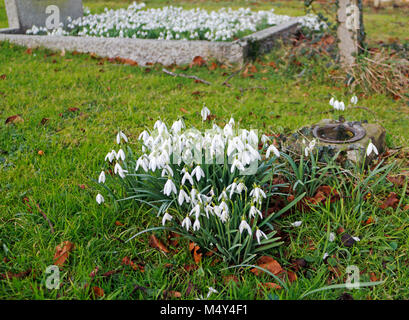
[166, 52]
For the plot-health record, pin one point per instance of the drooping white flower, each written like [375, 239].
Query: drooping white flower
[342, 106]
[120, 136]
[100, 199]
[332, 101]
[240, 187]
[166, 217]
[254, 211]
[144, 135]
[186, 223]
[198, 172]
[188, 177]
[264, 139]
[275, 151]
[357, 239]
[205, 113]
[120, 155]
[208, 209]
[211, 290]
[196, 225]
[354, 100]
[371, 148]
[142, 162]
[169, 188]
[110, 156]
[183, 196]
[245, 226]
[331, 237]
[260, 234]
[296, 223]
[236, 164]
[101, 178]
[223, 195]
[195, 211]
[177, 126]
[232, 188]
[257, 193]
[325, 256]
[118, 170]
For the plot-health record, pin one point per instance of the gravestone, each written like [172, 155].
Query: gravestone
[350, 30]
[23, 14]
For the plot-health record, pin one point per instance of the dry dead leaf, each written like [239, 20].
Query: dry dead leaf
[61, 253]
[392, 201]
[196, 255]
[271, 285]
[198, 61]
[157, 244]
[128, 262]
[268, 263]
[171, 294]
[98, 292]
[14, 119]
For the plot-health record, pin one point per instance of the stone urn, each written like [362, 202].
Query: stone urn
[331, 136]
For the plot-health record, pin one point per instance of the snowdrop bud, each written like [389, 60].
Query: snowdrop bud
[169, 188]
[260, 234]
[371, 148]
[101, 178]
[275, 151]
[244, 225]
[331, 102]
[196, 225]
[354, 100]
[205, 113]
[120, 155]
[166, 217]
[186, 223]
[296, 223]
[120, 136]
[100, 199]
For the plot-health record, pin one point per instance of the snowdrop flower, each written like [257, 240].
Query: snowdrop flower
[237, 164]
[223, 195]
[110, 156]
[144, 136]
[166, 217]
[177, 126]
[342, 106]
[169, 188]
[211, 290]
[211, 192]
[193, 194]
[195, 211]
[142, 162]
[101, 178]
[188, 177]
[332, 101]
[186, 223]
[257, 193]
[371, 148]
[296, 223]
[244, 225]
[198, 172]
[120, 136]
[260, 234]
[354, 100]
[167, 171]
[196, 225]
[264, 139]
[118, 170]
[120, 155]
[100, 199]
[208, 209]
[275, 151]
[325, 256]
[357, 239]
[183, 196]
[254, 211]
[205, 113]
[331, 237]
[240, 187]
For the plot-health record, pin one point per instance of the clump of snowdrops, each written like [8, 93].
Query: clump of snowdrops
[210, 186]
[173, 23]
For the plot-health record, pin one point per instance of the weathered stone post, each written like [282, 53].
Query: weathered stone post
[23, 14]
[350, 30]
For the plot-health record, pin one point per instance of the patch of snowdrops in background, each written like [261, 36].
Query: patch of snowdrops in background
[174, 23]
[197, 183]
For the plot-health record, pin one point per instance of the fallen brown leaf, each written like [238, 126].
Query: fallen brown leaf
[14, 119]
[157, 244]
[268, 263]
[271, 285]
[98, 292]
[392, 201]
[61, 253]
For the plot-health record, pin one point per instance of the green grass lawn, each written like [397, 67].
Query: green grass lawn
[41, 84]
